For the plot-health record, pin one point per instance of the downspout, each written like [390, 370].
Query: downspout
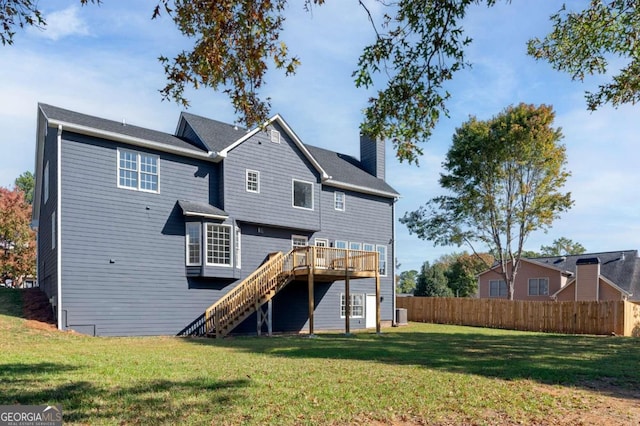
[58, 224]
[393, 263]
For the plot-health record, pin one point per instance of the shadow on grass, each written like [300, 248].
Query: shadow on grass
[607, 364]
[11, 302]
[144, 402]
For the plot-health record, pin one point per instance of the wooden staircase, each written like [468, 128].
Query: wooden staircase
[244, 299]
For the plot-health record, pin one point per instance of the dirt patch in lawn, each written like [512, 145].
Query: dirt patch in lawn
[37, 310]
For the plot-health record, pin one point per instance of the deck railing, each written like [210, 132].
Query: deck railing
[247, 296]
[330, 258]
[259, 287]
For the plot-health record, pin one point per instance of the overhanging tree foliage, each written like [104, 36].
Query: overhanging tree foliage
[418, 46]
[562, 247]
[504, 177]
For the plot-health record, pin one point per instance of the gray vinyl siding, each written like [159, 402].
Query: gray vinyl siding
[47, 257]
[123, 264]
[278, 165]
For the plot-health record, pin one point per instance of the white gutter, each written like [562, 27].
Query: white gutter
[58, 225]
[210, 216]
[357, 188]
[119, 137]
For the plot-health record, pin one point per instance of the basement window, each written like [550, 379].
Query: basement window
[357, 305]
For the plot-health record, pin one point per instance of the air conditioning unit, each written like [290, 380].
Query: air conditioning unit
[401, 316]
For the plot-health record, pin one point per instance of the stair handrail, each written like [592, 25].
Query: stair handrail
[248, 292]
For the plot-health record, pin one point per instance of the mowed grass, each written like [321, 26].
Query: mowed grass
[422, 373]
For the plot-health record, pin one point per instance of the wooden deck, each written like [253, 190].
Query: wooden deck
[329, 264]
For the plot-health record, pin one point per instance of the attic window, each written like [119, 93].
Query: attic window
[275, 136]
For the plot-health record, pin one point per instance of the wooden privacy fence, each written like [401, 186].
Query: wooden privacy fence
[606, 317]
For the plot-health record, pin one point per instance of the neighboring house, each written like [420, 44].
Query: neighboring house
[595, 276]
[140, 231]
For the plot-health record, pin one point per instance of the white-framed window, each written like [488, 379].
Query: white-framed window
[382, 260]
[218, 244]
[339, 201]
[302, 194]
[53, 230]
[299, 241]
[238, 248]
[138, 171]
[538, 286]
[253, 181]
[368, 247]
[322, 242]
[355, 246]
[497, 288]
[357, 305]
[193, 231]
[46, 182]
[340, 244]
[274, 136]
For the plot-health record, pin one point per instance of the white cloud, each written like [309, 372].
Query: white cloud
[63, 23]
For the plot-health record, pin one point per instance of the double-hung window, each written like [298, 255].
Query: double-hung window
[253, 181]
[538, 286]
[138, 171]
[357, 305]
[497, 288]
[302, 194]
[340, 244]
[339, 201]
[193, 231]
[355, 246]
[218, 244]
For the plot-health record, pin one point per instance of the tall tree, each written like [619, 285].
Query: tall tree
[462, 273]
[17, 239]
[407, 281]
[561, 247]
[26, 182]
[431, 281]
[505, 177]
[418, 47]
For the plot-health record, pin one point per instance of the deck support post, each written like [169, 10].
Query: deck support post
[263, 317]
[347, 297]
[377, 294]
[310, 289]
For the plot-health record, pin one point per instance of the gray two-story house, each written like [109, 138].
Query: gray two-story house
[209, 230]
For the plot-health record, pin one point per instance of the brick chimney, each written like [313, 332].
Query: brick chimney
[372, 155]
[587, 278]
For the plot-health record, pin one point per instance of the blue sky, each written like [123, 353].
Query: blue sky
[102, 60]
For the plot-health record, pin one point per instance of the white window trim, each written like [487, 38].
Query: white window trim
[246, 182]
[238, 247]
[372, 247]
[336, 242]
[138, 167]
[301, 237]
[352, 296]
[53, 230]
[46, 182]
[498, 281]
[335, 201]
[293, 181]
[538, 279]
[206, 245]
[386, 260]
[323, 241]
[358, 246]
[187, 241]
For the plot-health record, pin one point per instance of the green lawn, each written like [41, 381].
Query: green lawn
[416, 374]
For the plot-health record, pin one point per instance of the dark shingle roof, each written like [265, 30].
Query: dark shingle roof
[344, 168]
[59, 114]
[620, 267]
[194, 208]
[214, 134]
